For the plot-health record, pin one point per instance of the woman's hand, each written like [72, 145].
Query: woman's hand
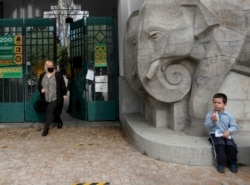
[65, 97]
[42, 90]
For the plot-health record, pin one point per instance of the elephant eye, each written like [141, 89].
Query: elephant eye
[154, 34]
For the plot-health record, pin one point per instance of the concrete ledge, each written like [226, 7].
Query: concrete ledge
[177, 147]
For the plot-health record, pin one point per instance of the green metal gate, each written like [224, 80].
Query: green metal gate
[94, 59]
[21, 64]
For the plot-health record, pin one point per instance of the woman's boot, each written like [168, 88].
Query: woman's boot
[60, 124]
[45, 131]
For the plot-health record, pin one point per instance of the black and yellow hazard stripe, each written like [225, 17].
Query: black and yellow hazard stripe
[88, 183]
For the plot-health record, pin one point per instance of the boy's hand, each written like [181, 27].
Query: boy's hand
[226, 134]
[214, 117]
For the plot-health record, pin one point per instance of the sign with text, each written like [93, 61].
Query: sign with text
[11, 40]
[10, 59]
[100, 53]
[11, 50]
[11, 72]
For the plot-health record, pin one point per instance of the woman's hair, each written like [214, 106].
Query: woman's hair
[47, 63]
[222, 96]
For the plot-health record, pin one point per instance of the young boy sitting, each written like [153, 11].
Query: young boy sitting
[222, 125]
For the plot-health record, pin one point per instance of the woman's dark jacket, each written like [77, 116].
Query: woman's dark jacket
[61, 89]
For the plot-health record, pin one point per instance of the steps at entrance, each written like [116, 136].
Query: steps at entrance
[177, 147]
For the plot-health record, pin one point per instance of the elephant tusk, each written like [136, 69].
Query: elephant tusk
[152, 69]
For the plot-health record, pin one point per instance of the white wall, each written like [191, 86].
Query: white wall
[125, 8]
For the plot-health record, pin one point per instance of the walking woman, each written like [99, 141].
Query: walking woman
[52, 87]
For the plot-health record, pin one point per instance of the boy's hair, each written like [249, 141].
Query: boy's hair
[222, 96]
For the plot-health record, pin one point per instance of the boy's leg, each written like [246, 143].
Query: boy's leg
[231, 152]
[218, 144]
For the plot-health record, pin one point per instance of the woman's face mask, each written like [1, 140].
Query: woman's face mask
[50, 69]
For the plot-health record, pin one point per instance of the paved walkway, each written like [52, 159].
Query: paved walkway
[83, 152]
[94, 154]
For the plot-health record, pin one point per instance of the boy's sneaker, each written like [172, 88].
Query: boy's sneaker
[233, 168]
[220, 169]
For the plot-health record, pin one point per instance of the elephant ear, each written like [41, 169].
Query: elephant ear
[204, 20]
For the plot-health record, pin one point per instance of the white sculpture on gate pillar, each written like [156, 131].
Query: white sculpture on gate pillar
[63, 10]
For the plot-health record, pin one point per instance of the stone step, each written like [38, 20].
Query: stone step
[176, 147]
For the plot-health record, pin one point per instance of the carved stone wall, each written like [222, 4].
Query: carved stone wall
[179, 53]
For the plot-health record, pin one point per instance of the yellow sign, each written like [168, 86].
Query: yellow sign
[18, 58]
[18, 49]
[100, 55]
[6, 62]
[18, 40]
[11, 72]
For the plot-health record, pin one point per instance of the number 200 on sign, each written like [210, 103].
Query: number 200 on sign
[6, 39]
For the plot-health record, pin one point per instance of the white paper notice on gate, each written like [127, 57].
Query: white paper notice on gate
[101, 78]
[90, 74]
[101, 87]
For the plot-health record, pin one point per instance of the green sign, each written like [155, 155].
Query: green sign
[10, 49]
[100, 53]
[10, 59]
[11, 40]
[11, 72]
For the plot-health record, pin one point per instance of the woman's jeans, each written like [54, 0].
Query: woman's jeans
[53, 112]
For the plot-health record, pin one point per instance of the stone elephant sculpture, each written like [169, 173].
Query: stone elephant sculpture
[182, 50]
